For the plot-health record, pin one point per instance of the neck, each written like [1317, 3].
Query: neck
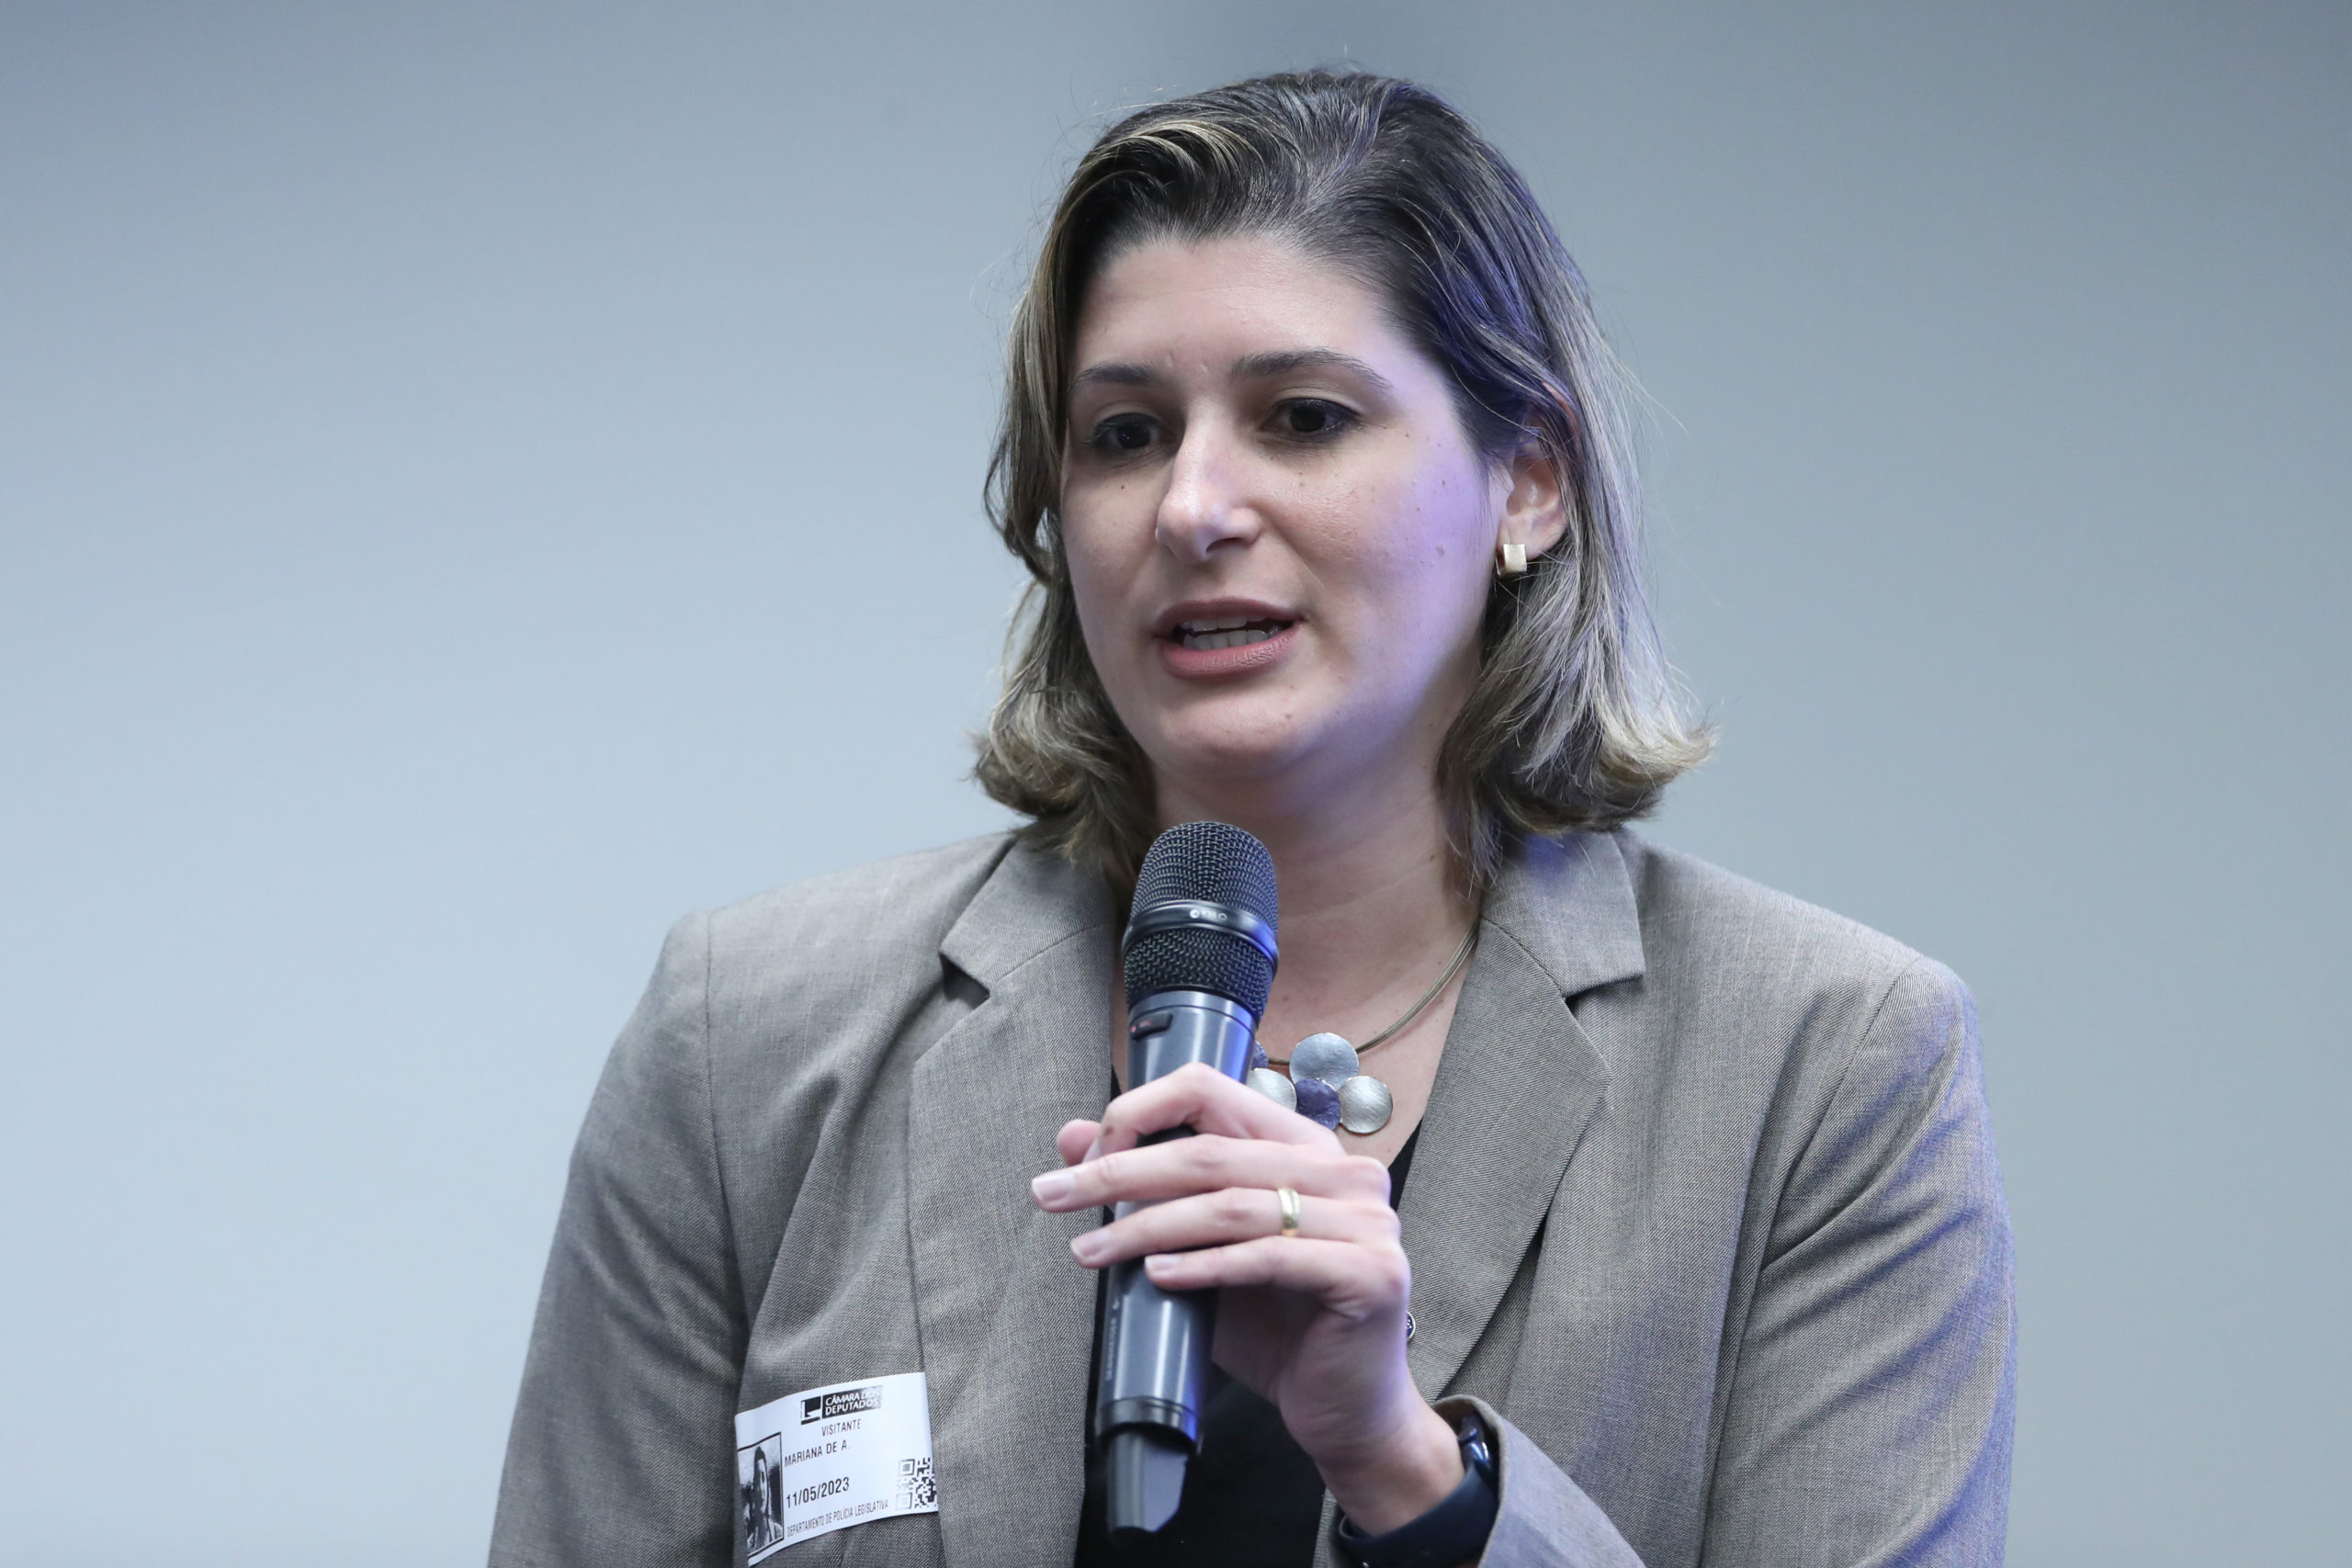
[1370, 907]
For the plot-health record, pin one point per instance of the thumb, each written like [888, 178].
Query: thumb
[1075, 1138]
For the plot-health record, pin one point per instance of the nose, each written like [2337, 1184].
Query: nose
[1204, 509]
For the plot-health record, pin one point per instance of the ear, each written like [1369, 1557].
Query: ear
[1535, 510]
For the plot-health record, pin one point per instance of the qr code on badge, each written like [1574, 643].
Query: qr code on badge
[917, 1487]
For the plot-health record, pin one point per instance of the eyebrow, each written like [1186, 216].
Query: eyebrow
[1116, 376]
[1283, 361]
[1250, 367]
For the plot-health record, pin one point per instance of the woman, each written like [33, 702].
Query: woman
[1317, 459]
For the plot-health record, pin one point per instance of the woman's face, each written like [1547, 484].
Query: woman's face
[1280, 536]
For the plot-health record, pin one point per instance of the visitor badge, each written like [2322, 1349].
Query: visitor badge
[813, 1461]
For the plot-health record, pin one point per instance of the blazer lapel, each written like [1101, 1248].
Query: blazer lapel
[1006, 1315]
[1519, 1082]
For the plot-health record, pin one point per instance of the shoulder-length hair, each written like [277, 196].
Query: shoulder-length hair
[1573, 722]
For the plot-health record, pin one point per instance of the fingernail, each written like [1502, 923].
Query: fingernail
[1053, 1187]
[1159, 1263]
[1087, 1247]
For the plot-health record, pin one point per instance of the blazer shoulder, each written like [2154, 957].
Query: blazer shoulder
[1705, 924]
[1799, 1004]
[884, 912]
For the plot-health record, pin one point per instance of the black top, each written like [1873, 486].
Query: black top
[1252, 1498]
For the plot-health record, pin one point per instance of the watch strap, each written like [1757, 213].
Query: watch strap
[1452, 1532]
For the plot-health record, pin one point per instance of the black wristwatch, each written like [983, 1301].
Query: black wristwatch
[1452, 1532]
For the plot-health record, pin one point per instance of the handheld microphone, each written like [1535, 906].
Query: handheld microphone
[1199, 955]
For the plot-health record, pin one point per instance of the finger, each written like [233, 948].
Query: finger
[1349, 1278]
[1199, 1097]
[1210, 1163]
[1075, 1138]
[1236, 1214]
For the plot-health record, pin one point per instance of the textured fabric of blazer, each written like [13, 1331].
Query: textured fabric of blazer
[1704, 1219]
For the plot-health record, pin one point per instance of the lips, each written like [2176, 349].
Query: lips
[1235, 631]
[1207, 640]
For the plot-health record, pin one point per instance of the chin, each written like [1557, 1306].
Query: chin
[1226, 752]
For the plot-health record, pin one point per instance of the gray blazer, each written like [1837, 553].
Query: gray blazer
[1704, 1219]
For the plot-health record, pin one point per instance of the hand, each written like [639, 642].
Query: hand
[1315, 1323]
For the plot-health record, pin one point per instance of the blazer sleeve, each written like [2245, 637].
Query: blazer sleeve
[1871, 1399]
[622, 1448]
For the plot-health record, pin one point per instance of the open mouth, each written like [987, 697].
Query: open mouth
[1232, 633]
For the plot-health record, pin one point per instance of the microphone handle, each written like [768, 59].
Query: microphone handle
[1156, 1343]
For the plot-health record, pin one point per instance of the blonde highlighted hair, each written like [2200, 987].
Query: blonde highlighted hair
[1574, 721]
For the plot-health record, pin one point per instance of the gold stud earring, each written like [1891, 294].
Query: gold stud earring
[1514, 559]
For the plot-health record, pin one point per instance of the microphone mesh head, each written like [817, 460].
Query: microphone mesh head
[1208, 863]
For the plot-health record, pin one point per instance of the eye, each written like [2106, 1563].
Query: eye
[1312, 417]
[1122, 435]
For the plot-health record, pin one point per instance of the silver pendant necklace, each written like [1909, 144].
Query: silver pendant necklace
[1327, 1083]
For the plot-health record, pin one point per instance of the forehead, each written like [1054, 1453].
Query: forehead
[1191, 305]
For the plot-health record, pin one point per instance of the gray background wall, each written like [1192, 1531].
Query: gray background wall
[476, 482]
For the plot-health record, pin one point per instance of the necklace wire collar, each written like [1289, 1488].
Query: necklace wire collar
[1327, 1083]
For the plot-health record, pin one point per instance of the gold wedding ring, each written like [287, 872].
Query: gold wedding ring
[1289, 1201]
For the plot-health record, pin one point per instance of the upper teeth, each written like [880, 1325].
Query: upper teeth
[1236, 632]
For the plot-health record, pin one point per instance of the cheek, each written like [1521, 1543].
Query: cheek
[1101, 571]
[1459, 518]
[1421, 575]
